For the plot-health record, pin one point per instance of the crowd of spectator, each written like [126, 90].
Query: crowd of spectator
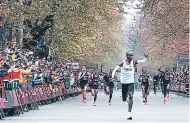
[181, 81]
[28, 71]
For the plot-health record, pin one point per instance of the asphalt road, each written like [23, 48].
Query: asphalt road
[74, 110]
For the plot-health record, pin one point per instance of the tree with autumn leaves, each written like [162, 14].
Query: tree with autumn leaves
[165, 30]
[87, 30]
[90, 30]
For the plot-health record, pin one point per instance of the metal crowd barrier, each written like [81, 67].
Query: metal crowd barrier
[18, 102]
[179, 89]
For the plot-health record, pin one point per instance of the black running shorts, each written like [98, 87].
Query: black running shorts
[83, 83]
[110, 84]
[94, 86]
[126, 88]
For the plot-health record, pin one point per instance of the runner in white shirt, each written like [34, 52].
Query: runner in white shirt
[128, 69]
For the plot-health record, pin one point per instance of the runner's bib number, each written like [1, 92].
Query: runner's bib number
[128, 69]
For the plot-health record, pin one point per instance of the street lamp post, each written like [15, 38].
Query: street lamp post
[101, 67]
[5, 31]
[1, 22]
[2, 33]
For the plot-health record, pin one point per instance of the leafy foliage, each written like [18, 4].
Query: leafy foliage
[87, 30]
[163, 30]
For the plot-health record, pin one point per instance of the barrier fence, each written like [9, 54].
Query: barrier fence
[17, 101]
[180, 88]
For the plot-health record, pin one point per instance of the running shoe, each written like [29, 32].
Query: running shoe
[169, 97]
[165, 100]
[109, 102]
[84, 100]
[94, 103]
[129, 118]
[144, 100]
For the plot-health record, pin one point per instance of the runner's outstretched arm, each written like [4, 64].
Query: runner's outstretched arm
[160, 69]
[116, 68]
[114, 71]
[143, 60]
[79, 76]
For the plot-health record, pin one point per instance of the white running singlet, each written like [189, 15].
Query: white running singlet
[127, 73]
